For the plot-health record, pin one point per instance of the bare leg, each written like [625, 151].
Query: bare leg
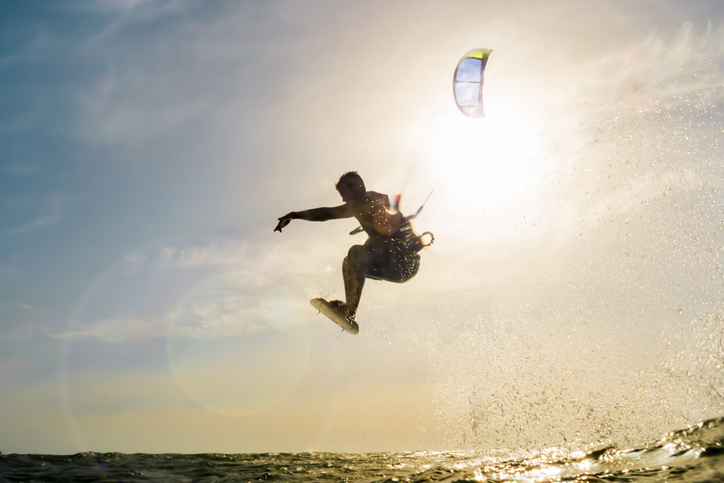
[353, 272]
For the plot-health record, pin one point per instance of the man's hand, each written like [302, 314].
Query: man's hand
[284, 221]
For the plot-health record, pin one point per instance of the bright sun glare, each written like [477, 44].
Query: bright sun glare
[489, 165]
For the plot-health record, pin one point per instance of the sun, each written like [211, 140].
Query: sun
[491, 160]
[491, 165]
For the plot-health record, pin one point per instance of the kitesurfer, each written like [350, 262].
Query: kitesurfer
[390, 252]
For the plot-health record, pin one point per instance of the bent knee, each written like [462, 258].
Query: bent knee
[356, 254]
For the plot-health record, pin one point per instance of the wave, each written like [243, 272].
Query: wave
[694, 454]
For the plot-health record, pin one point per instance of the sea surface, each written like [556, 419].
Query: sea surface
[695, 454]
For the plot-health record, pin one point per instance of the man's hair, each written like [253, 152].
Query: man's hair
[350, 179]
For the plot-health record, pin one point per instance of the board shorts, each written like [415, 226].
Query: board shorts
[389, 259]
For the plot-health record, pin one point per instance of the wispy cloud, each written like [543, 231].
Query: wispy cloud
[130, 12]
[134, 100]
[115, 330]
[205, 255]
[223, 306]
[51, 215]
[20, 321]
[236, 290]
[21, 170]
[287, 251]
[189, 256]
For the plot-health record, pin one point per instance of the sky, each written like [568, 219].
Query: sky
[572, 296]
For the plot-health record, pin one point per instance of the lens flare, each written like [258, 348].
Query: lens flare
[236, 345]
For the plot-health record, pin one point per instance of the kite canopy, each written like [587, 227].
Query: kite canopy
[468, 82]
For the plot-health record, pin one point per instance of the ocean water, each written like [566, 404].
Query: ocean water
[694, 454]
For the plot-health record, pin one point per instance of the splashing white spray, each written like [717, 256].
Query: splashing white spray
[611, 331]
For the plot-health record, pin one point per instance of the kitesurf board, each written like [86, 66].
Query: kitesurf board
[335, 316]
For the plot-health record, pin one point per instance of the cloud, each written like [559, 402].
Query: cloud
[205, 255]
[154, 72]
[20, 321]
[52, 214]
[21, 170]
[130, 12]
[287, 254]
[219, 255]
[116, 330]
[204, 291]
[226, 305]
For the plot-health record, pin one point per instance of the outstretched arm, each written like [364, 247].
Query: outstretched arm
[316, 214]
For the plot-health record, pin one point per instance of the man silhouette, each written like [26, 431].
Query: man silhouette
[390, 252]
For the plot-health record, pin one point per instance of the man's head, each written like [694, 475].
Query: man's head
[350, 186]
